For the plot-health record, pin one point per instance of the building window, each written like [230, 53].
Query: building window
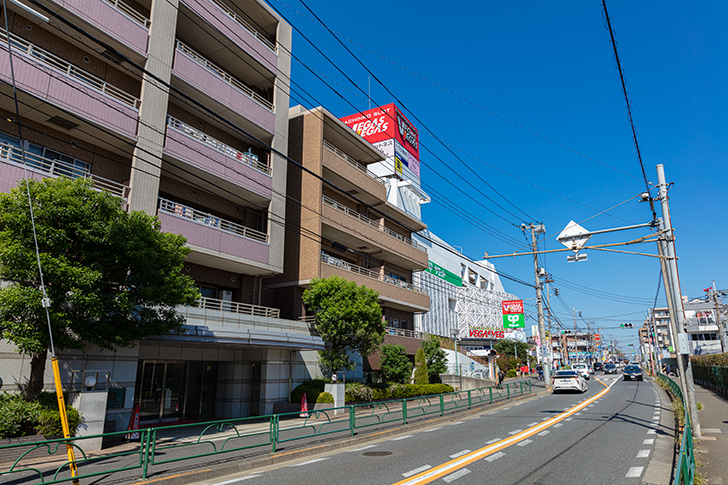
[208, 292]
[452, 303]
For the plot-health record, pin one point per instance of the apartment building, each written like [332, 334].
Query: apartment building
[344, 226]
[181, 109]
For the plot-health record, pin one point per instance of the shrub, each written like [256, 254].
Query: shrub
[357, 392]
[380, 394]
[421, 374]
[325, 398]
[19, 417]
[312, 388]
[395, 364]
[49, 423]
[512, 373]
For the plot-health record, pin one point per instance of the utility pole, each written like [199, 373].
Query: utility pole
[539, 300]
[666, 247]
[718, 320]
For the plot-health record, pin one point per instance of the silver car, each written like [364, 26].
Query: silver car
[568, 380]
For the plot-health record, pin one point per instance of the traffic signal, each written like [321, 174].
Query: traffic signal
[565, 331]
[626, 325]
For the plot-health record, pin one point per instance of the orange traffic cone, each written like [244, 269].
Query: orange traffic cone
[304, 406]
[133, 424]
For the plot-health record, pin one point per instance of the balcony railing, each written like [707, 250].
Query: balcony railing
[243, 157]
[235, 307]
[379, 227]
[345, 265]
[353, 162]
[210, 220]
[229, 12]
[21, 45]
[60, 169]
[219, 72]
[130, 12]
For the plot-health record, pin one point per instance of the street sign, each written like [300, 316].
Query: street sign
[515, 320]
[568, 236]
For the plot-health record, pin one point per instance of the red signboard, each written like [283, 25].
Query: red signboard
[492, 334]
[597, 337]
[385, 123]
[512, 307]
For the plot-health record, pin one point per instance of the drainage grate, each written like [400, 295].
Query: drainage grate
[377, 453]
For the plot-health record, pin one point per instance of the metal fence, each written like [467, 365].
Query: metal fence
[45, 461]
[713, 376]
[685, 470]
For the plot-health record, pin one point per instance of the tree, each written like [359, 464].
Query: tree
[421, 375]
[348, 318]
[396, 366]
[508, 348]
[112, 277]
[436, 359]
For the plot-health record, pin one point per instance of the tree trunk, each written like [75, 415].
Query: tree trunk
[37, 370]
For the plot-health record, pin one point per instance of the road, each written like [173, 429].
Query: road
[604, 436]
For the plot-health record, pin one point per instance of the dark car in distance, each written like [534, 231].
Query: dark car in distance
[632, 373]
[610, 368]
[597, 366]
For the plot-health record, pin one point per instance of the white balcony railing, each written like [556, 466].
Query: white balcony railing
[247, 158]
[379, 227]
[21, 45]
[345, 265]
[130, 12]
[219, 72]
[229, 12]
[236, 307]
[60, 169]
[355, 163]
[210, 220]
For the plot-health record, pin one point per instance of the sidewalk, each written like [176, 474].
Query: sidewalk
[711, 451]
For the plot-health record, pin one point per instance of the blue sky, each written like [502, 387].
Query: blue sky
[538, 114]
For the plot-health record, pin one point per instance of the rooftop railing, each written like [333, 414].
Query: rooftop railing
[61, 169]
[243, 157]
[236, 307]
[353, 162]
[130, 12]
[345, 265]
[230, 13]
[208, 219]
[219, 72]
[21, 45]
[352, 213]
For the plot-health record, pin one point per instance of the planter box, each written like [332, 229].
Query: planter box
[338, 391]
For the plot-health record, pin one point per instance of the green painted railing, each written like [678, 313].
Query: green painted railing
[713, 376]
[45, 461]
[685, 470]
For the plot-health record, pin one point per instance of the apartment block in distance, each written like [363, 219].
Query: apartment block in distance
[344, 225]
[173, 106]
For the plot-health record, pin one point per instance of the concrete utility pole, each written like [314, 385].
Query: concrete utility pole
[539, 300]
[666, 247]
[718, 320]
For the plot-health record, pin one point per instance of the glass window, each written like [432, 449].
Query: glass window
[208, 292]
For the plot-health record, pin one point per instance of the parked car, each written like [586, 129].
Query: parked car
[568, 380]
[597, 367]
[632, 373]
[610, 368]
[582, 369]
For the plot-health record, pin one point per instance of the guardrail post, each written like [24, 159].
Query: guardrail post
[470, 401]
[491, 395]
[145, 445]
[352, 419]
[274, 431]
[404, 410]
[442, 405]
[508, 391]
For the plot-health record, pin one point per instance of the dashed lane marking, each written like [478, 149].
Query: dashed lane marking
[315, 460]
[643, 454]
[649, 441]
[431, 429]
[416, 471]
[524, 443]
[634, 472]
[544, 433]
[458, 455]
[236, 480]
[361, 449]
[515, 431]
[402, 437]
[493, 458]
[454, 476]
[490, 442]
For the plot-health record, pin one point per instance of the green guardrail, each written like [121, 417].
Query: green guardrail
[685, 469]
[45, 461]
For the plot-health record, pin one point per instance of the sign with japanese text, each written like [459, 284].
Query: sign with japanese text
[513, 314]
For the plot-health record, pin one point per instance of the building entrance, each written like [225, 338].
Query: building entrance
[176, 391]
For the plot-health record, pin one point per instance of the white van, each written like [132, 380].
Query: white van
[582, 369]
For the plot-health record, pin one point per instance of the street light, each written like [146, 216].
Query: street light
[455, 332]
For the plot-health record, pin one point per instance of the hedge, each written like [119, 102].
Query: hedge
[325, 398]
[312, 388]
[19, 417]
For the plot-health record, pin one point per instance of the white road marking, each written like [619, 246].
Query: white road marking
[525, 442]
[310, 461]
[464, 452]
[547, 417]
[416, 471]
[236, 480]
[651, 431]
[515, 431]
[360, 449]
[454, 476]
[492, 441]
[533, 424]
[401, 437]
[577, 414]
[569, 419]
[643, 454]
[431, 429]
[634, 472]
[544, 433]
[495, 456]
[456, 422]
[712, 430]
[558, 425]
[649, 441]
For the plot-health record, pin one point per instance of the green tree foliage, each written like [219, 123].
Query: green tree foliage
[507, 348]
[421, 374]
[436, 359]
[348, 318]
[395, 364]
[111, 275]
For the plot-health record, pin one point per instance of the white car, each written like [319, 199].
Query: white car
[582, 369]
[568, 380]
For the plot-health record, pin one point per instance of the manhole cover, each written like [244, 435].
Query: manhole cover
[377, 453]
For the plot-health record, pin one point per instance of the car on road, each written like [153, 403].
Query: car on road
[597, 367]
[632, 373]
[610, 368]
[568, 380]
[582, 369]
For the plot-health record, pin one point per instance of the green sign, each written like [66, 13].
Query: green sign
[446, 275]
[515, 320]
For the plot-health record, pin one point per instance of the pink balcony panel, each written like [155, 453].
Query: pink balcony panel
[215, 239]
[207, 82]
[111, 21]
[11, 174]
[64, 91]
[235, 32]
[194, 152]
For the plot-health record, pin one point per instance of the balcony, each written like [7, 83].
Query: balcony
[351, 174]
[14, 172]
[213, 156]
[237, 307]
[216, 242]
[397, 293]
[69, 87]
[114, 19]
[237, 30]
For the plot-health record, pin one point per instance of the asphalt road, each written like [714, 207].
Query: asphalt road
[604, 436]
